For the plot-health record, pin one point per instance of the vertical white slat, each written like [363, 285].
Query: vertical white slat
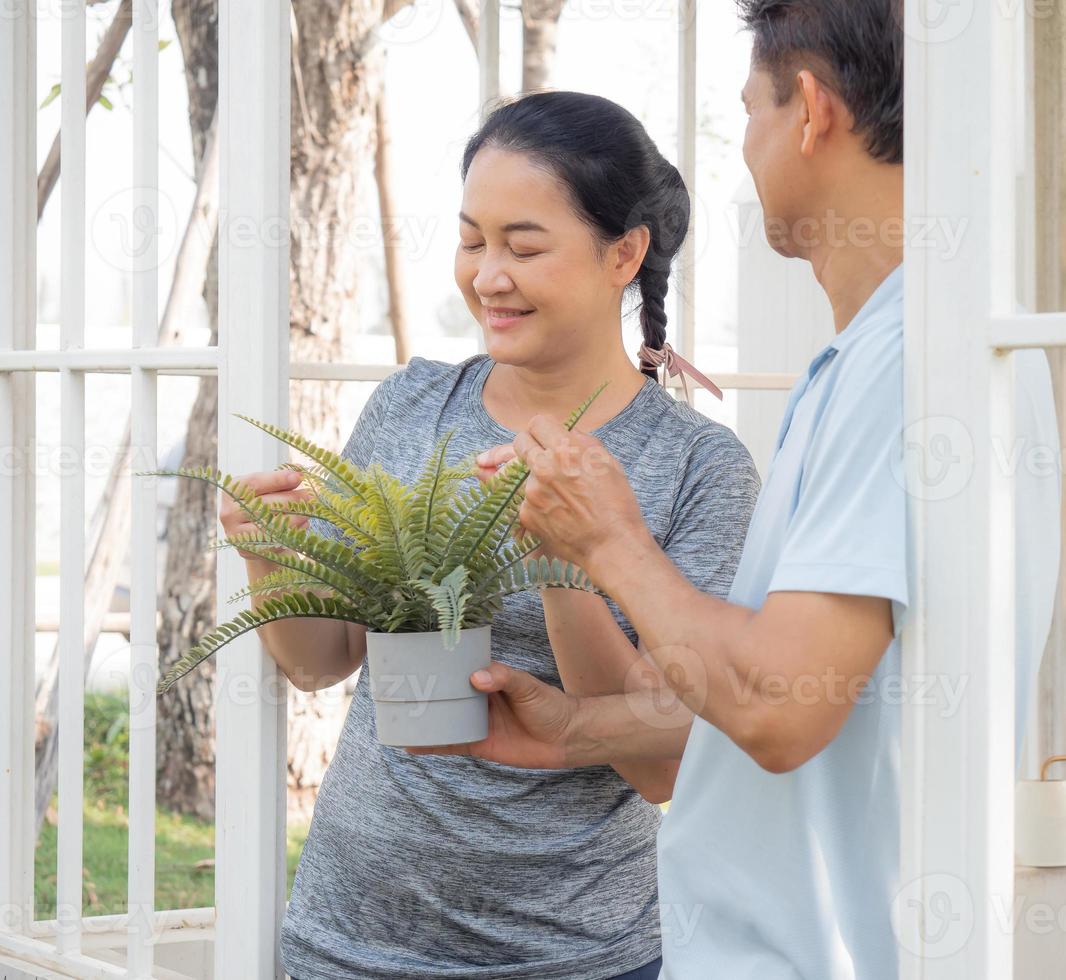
[687, 108]
[488, 51]
[72, 481]
[1007, 125]
[957, 767]
[253, 327]
[143, 548]
[18, 222]
[1007, 114]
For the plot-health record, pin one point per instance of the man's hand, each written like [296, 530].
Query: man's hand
[529, 721]
[577, 496]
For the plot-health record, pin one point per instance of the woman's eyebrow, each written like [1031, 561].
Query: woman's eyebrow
[513, 226]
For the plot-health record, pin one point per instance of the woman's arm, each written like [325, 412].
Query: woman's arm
[595, 658]
[313, 653]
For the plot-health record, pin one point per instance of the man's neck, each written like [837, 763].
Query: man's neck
[850, 275]
[864, 241]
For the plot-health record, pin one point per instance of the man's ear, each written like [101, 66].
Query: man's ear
[818, 109]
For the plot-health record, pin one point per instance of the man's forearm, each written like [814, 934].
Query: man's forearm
[696, 640]
[779, 682]
[645, 726]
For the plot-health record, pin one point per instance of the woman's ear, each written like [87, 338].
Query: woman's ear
[626, 255]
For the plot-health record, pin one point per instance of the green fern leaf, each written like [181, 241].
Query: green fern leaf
[449, 599]
[294, 605]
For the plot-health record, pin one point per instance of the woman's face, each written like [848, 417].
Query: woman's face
[528, 266]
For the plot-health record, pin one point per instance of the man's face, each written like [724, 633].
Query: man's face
[772, 152]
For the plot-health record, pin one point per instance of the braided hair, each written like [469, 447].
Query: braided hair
[615, 175]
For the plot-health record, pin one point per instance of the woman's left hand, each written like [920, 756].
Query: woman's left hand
[490, 461]
[489, 464]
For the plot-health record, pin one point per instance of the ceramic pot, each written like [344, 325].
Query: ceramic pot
[421, 690]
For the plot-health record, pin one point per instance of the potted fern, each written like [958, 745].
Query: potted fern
[425, 568]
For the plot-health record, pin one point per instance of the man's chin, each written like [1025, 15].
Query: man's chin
[779, 239]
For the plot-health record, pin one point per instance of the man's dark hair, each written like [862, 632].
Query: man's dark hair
[853, 46]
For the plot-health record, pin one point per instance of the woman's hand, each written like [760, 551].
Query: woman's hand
[276, 486]
[530, 722]
[489, 464]
[490, 461]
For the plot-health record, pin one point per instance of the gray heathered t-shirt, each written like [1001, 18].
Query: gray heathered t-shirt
[447, 866]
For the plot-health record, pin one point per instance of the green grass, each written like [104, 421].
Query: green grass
[181, 841]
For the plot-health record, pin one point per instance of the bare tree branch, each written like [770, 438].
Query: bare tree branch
[469, 15]
[95, 76]
[393, 258]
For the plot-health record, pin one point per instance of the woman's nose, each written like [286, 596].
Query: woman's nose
[492, 278]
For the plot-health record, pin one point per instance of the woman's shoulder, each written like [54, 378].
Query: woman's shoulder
[420, 373]
[694, 436]
[424, 383]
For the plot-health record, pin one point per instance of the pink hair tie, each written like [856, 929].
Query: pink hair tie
[675, 364]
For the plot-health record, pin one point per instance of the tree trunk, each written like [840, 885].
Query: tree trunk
[540, 27]
[336, 82]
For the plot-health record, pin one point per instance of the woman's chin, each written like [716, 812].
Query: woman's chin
[506, 350]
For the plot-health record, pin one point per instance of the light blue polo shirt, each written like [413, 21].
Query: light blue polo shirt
[790, 876]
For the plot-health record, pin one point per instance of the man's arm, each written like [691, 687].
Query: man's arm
[780, 681]
[596, 658]
[534, 725]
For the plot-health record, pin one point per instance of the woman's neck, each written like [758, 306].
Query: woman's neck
[514, 394]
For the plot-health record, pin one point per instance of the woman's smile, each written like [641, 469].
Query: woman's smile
[502, 318]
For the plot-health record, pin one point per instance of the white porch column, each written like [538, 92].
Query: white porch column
[253, 326]
[18, 231]
[958, 767]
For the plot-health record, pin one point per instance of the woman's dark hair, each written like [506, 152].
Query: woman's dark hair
[615, 176]
[854, 46]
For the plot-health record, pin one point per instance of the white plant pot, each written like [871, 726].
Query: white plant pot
[1040, 820]
[421, 690]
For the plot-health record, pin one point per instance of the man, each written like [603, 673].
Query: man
[779, 856]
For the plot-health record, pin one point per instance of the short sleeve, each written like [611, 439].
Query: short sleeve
[359, 449]
[716, 488]
[848, 532]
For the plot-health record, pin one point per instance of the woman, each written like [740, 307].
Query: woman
[433, 867]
